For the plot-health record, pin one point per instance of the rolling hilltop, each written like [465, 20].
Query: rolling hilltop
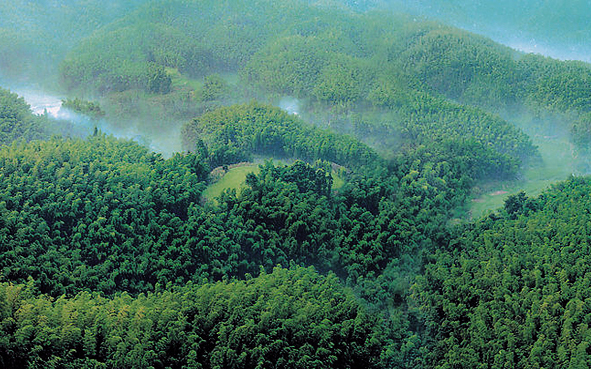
[114, 256]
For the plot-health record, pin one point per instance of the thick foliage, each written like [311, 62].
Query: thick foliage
[35, 35]
[513, 290]
[498, 148]
[74, 212]
[291, 318]
[17, 121]
[463, 66]
[234, 133]
[107, 216]
[88, 108]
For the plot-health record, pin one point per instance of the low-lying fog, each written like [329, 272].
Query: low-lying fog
[290, 104]
[547, 31]
[166, 141]
[560, 29]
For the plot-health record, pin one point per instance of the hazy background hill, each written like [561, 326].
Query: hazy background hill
[558, 28]
[35, 35]
[358, 243]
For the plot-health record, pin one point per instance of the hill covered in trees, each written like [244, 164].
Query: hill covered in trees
[16, 120]
[110, 257]
[289, 318]
[512, 289]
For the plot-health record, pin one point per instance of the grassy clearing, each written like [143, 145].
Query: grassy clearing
[233, 179]
[178, 81]
[183, 82]
[337, 180]
[559, 162]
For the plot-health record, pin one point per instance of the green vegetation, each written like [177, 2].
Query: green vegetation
[353, 60]
[87, 108]
[103, 198]
[524, 23]
[559, 162]
[233, 179]
[511, 290]
[233, 134]
[351, 255]
[34, 36]
[105, 215]
[291, 318]
[17, 121]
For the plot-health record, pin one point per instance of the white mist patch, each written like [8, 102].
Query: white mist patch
[165, 143]
[557, 52]
[290, 104]
[42, 104]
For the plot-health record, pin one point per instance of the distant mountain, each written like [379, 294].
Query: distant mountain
[34, 35]
[559, 28]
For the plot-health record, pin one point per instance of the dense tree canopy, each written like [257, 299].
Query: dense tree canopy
[17, 121]
[234, 133]
[111, 258]
[291, 318]
[68, 205]
[512, 290]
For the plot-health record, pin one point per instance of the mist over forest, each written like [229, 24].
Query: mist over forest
[558, 29]
[295, 184]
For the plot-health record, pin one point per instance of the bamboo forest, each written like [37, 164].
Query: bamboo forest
[227, 184]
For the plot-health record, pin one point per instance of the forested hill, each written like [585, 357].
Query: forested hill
[34, 35]
[235, 133]
[104, 215]
[524, 24]
[17, 121]
[287, 319]
[110, 257]
[107, 216]
[512, 290]
[333, 59]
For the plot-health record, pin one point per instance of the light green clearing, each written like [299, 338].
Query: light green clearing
[337, 180]
[235, 177]
[559, 162]
[179, 81]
